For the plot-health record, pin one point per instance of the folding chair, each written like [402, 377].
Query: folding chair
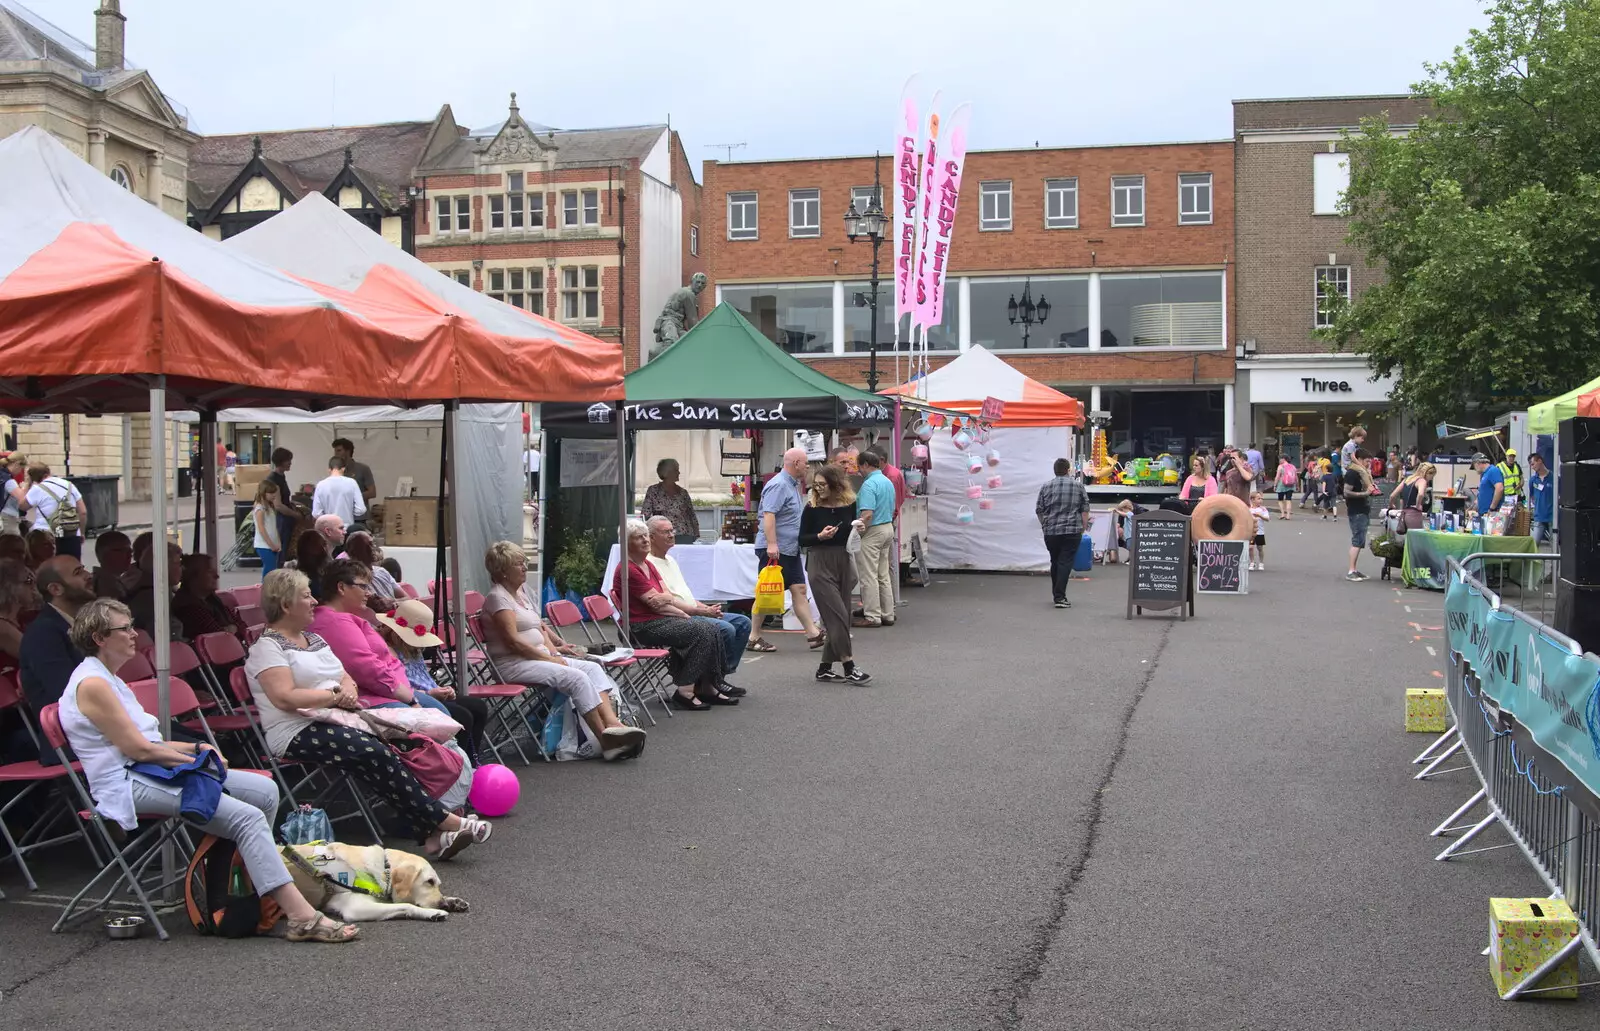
[507, 700]
[217, 652]
[183, 702]
[143, 642]
[228, 599]
[249, 616]
[182, 661]
[140, 667]
[433, 586]
[250, 595]
[623, 669]
[32, 775]
[129, 860]
[652, 661]
[409, 591]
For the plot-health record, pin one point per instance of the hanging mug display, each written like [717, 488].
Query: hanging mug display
[995, 482]
[986, 503]
[993, 457]
[913, 479]
[923, 430]
[974, 465]
[974, 491]
[919, 452]
[981, 434]
[962, 440]
[964, 514]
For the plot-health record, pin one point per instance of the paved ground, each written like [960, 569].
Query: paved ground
[1033, 819]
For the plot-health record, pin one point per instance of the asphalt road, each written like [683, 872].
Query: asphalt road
[1032, 819]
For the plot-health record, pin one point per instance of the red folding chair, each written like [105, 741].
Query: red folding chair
[250, 595]
[217, 652]
[144, 643]
[624, 669]
[230, 599]
[27, 777]
[140, 667]
[652, 661]
[249, 616]
[517, 708]
[408, 590]
[130, 858]
[472, 603]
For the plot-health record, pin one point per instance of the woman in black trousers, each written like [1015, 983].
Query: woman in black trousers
[824, 528]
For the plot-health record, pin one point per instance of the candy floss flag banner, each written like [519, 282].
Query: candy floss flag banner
[921, 274]
[944, 190]
[907, 194]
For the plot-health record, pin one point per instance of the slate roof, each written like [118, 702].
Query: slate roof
[575, 148]
[308, 159]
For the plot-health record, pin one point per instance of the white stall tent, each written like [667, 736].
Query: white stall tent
[1036, 429]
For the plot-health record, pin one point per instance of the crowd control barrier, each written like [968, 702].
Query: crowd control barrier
[1527, 720]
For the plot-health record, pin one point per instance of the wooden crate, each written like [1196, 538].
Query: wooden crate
[412, 522]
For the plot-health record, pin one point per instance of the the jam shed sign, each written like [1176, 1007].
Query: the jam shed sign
[724, 413]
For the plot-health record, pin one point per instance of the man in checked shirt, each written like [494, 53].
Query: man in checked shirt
[1063, 511]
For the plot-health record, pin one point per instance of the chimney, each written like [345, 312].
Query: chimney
[108, 36]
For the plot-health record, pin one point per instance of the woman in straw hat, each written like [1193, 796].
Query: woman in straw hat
[407, 631]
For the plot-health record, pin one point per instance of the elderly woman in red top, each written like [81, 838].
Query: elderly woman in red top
[656, 619]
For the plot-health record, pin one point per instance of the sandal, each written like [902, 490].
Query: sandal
[689, 704]
[323, 930]
[816, 642]
[761, 646]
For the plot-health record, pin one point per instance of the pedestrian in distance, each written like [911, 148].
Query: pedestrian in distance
[1283, 483]
[1063, 511]
[1327, 488]
[1258, 543]
[825, 529]
[1358, 492]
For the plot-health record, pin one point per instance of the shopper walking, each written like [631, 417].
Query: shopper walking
[876, 563]
[778, 543]
[1284, 483]
[1358, 491]
[825, 529]
[1063, 511]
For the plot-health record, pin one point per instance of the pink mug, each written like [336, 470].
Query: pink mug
[962, 440]
[994, 482]
[974, 491]
[993, 457]
[919, 452]
[986, 503]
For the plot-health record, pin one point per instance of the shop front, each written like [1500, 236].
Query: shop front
[1307, 404]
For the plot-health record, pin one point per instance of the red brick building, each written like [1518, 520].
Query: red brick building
[1132, 246]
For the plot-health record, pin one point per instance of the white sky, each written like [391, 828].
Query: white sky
[821, 77]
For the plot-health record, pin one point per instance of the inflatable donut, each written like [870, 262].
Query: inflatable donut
[1222, 517]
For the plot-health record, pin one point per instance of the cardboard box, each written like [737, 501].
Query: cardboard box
[246, 478]
[1426, 711]
[412, 522]
[1523, 933]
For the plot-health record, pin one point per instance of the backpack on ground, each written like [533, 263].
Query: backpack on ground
[219, 895]
[63, 522]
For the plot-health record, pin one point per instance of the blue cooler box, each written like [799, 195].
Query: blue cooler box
[1085, 560]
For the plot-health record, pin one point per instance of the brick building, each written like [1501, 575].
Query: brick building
[1132, 246]
[1294, 391]
[591, 227]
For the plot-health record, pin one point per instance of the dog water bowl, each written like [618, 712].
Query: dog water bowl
[122, 928]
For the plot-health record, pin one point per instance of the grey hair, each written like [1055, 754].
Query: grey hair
[501, 558]
[638, 528]
[653, 520]
[95, 620]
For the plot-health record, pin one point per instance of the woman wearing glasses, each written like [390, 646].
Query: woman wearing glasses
[108, 730]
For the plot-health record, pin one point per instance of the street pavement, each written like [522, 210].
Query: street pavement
[1032, 819]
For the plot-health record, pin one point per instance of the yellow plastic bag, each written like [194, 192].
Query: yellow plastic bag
[769, 592]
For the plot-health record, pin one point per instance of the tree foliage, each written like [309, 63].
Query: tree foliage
[1486, 219]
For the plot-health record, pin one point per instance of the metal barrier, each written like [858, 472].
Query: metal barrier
[1556, 835]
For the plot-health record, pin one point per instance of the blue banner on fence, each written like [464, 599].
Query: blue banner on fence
[1550, 691]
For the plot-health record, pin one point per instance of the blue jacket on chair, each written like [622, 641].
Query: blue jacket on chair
[200, 779]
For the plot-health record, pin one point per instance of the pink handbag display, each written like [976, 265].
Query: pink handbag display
[995, 482]
[974, 491]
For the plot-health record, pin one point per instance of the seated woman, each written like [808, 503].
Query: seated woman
[195, 604]
[290, 669]
[310, 555]
[108, 730]
[385, 591]
[521, 653]
[406, 632]
[346, 624]
[41, 547]
[656, 620]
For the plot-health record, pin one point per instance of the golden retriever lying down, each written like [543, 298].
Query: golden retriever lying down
[356, 883]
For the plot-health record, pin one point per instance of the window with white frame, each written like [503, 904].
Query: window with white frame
[742, 216]
[535, 204]
[462, 276]
[497, 211]
[1330, 175]
[591, 207]
[805, 212]
[1061, 203]
[119, 175]
[580, 293]
[520, 288]
[569, 208]
[442, 221]
[994, 204]
[861, 197]
[694, 240]
[1127, 200]
[463, 214]
[1194, 199]
[1329, 282]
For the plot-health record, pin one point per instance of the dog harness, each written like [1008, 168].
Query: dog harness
[335, 874]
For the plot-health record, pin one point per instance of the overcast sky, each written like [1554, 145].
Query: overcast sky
[820, 77]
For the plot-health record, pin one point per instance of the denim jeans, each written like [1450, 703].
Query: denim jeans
[735, 630]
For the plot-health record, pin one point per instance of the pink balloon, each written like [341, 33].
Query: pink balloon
[495, 790]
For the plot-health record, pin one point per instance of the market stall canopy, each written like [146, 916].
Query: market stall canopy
[965, 383]
[1546, 416]
[1589, 406]
[316, 240]
[723, 374]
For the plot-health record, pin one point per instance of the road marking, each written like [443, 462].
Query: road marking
[1431, 651]
[1408, 608]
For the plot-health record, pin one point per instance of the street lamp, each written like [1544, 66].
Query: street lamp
[1026, 311]
[871, 223]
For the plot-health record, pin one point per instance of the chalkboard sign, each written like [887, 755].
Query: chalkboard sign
[1219, 567]
[1160, 564]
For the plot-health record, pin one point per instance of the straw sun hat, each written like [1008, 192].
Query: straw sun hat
[412, 622]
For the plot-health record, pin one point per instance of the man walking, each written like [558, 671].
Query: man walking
[778, 542]
[1541, 495]
[876, 561]
[338, 495]
[1063, 511]
[733, 626]
[57, 508]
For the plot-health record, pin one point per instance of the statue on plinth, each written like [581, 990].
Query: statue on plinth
[679, 314]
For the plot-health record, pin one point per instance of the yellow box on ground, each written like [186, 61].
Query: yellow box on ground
[1426, 711]
[1523, 933]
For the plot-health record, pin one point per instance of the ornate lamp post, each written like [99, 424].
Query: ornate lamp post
[872, 224]
[1026, 311]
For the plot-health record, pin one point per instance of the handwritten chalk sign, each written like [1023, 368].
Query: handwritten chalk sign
[1160, 564]
[1219, 567]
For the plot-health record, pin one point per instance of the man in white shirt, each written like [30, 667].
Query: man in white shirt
[530, 463]
[338, 495]
[56, 506]
[733, 626]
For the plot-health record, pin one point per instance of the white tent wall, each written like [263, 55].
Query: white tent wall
[1006, 537]
[491, 483]
[392, 449]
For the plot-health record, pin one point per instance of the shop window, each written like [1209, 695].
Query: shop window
[858, 318]
[798, 317]
[1066, 309]
[1169, 309]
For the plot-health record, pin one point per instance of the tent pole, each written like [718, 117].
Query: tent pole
[162, 591]
[894, 456]
[622, 520]
[458, 614]
[538, 500]
[207, 493]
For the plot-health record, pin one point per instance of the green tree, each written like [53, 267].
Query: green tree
[1486, 219]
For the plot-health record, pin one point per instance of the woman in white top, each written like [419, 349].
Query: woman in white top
[289, 670]
[523, 653]
[265, 516]
[109, 730]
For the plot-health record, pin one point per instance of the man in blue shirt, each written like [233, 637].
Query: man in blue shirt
[876, 562]
[1491, 483]
[778, 542]
[1541, 493]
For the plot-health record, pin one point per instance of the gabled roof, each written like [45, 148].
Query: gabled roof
[307, 160]
[565, 148]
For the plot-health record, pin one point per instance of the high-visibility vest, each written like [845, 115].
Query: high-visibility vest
[1513, 477]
